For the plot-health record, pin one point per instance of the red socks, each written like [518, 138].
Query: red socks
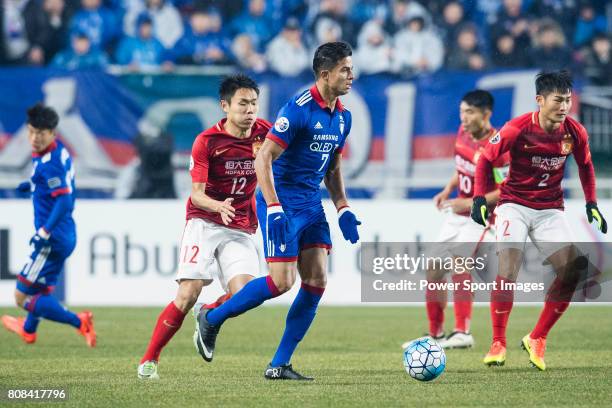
[435, 302]
[463, 302]
[501, 305]
[557, 301]
[168, 323]
[550, 314]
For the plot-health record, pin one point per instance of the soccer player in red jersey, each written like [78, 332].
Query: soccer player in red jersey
[531, 205]
[460, 237]
[221, 216]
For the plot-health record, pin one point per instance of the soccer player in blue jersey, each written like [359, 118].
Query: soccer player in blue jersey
[52, 188]
[303, 148]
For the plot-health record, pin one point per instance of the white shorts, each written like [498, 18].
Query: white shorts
[466, 233]
[209, 250]
[548, 229]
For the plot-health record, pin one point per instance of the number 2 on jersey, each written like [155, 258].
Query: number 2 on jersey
[544, 181]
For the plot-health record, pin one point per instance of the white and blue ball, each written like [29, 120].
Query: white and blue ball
[424, 359]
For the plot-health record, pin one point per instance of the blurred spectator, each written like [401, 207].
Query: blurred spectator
[588, 24]
[228, 9]
[511, 19]
[374, 49]
[550, 51]
[598, 61]
[81, 55]
[417, 49]
[203, 43]
[97, 22]
[55, 27]
[506, 55]
[483, 13]
[254, 23]
[167, 22]
[154, 174]
[464, 53]
[17, 22]
[327, 30]
[143, 51]
[336, 11]
[286, 53]
[280, 10]
[562, 11]
[246, 55]
[401, 12]
[450, 21]
[367, 10]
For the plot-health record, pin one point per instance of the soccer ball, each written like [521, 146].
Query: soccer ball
[424, 359]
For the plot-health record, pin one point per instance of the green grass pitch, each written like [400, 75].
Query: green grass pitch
[354, 353]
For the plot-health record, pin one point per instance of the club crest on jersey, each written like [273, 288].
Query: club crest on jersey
[495, 139]
[341, 125]
[281, 124]
[567, 144]
[256, 146]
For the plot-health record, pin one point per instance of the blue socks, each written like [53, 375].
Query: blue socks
[300, 316]
[31, 323]
[250, 296]
[46, 306]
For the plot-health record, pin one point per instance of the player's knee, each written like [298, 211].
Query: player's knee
[284, 283]
[318, 282]
[20, 298]
[187, 295]
[435, 274]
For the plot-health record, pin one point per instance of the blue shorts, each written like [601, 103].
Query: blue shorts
[42, 269]
[308, 229]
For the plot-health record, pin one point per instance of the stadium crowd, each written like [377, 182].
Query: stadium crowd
[407, 37]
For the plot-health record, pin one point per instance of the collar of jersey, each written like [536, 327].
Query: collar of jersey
[49, 148]
[314, 91]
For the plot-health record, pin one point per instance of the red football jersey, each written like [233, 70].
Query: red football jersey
[537, 159]
[227, 165]
[467, 152]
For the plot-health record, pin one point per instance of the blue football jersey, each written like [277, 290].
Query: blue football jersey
[311, 134]
[52, 176]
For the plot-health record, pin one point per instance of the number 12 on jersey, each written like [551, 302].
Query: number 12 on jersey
[238, 185]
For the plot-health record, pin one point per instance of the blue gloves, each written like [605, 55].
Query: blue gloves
[277, 225]
[40, 240]
[348, 224]
[593, 213]
[24, 189]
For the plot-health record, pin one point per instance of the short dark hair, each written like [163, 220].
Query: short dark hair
[555, 81]
[230, 84]
[479, 98]
[42, 117]
[328, 55]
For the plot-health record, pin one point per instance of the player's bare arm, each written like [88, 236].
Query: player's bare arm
[334, 182]
[204, 202]
[269, 152]
[447, 190]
